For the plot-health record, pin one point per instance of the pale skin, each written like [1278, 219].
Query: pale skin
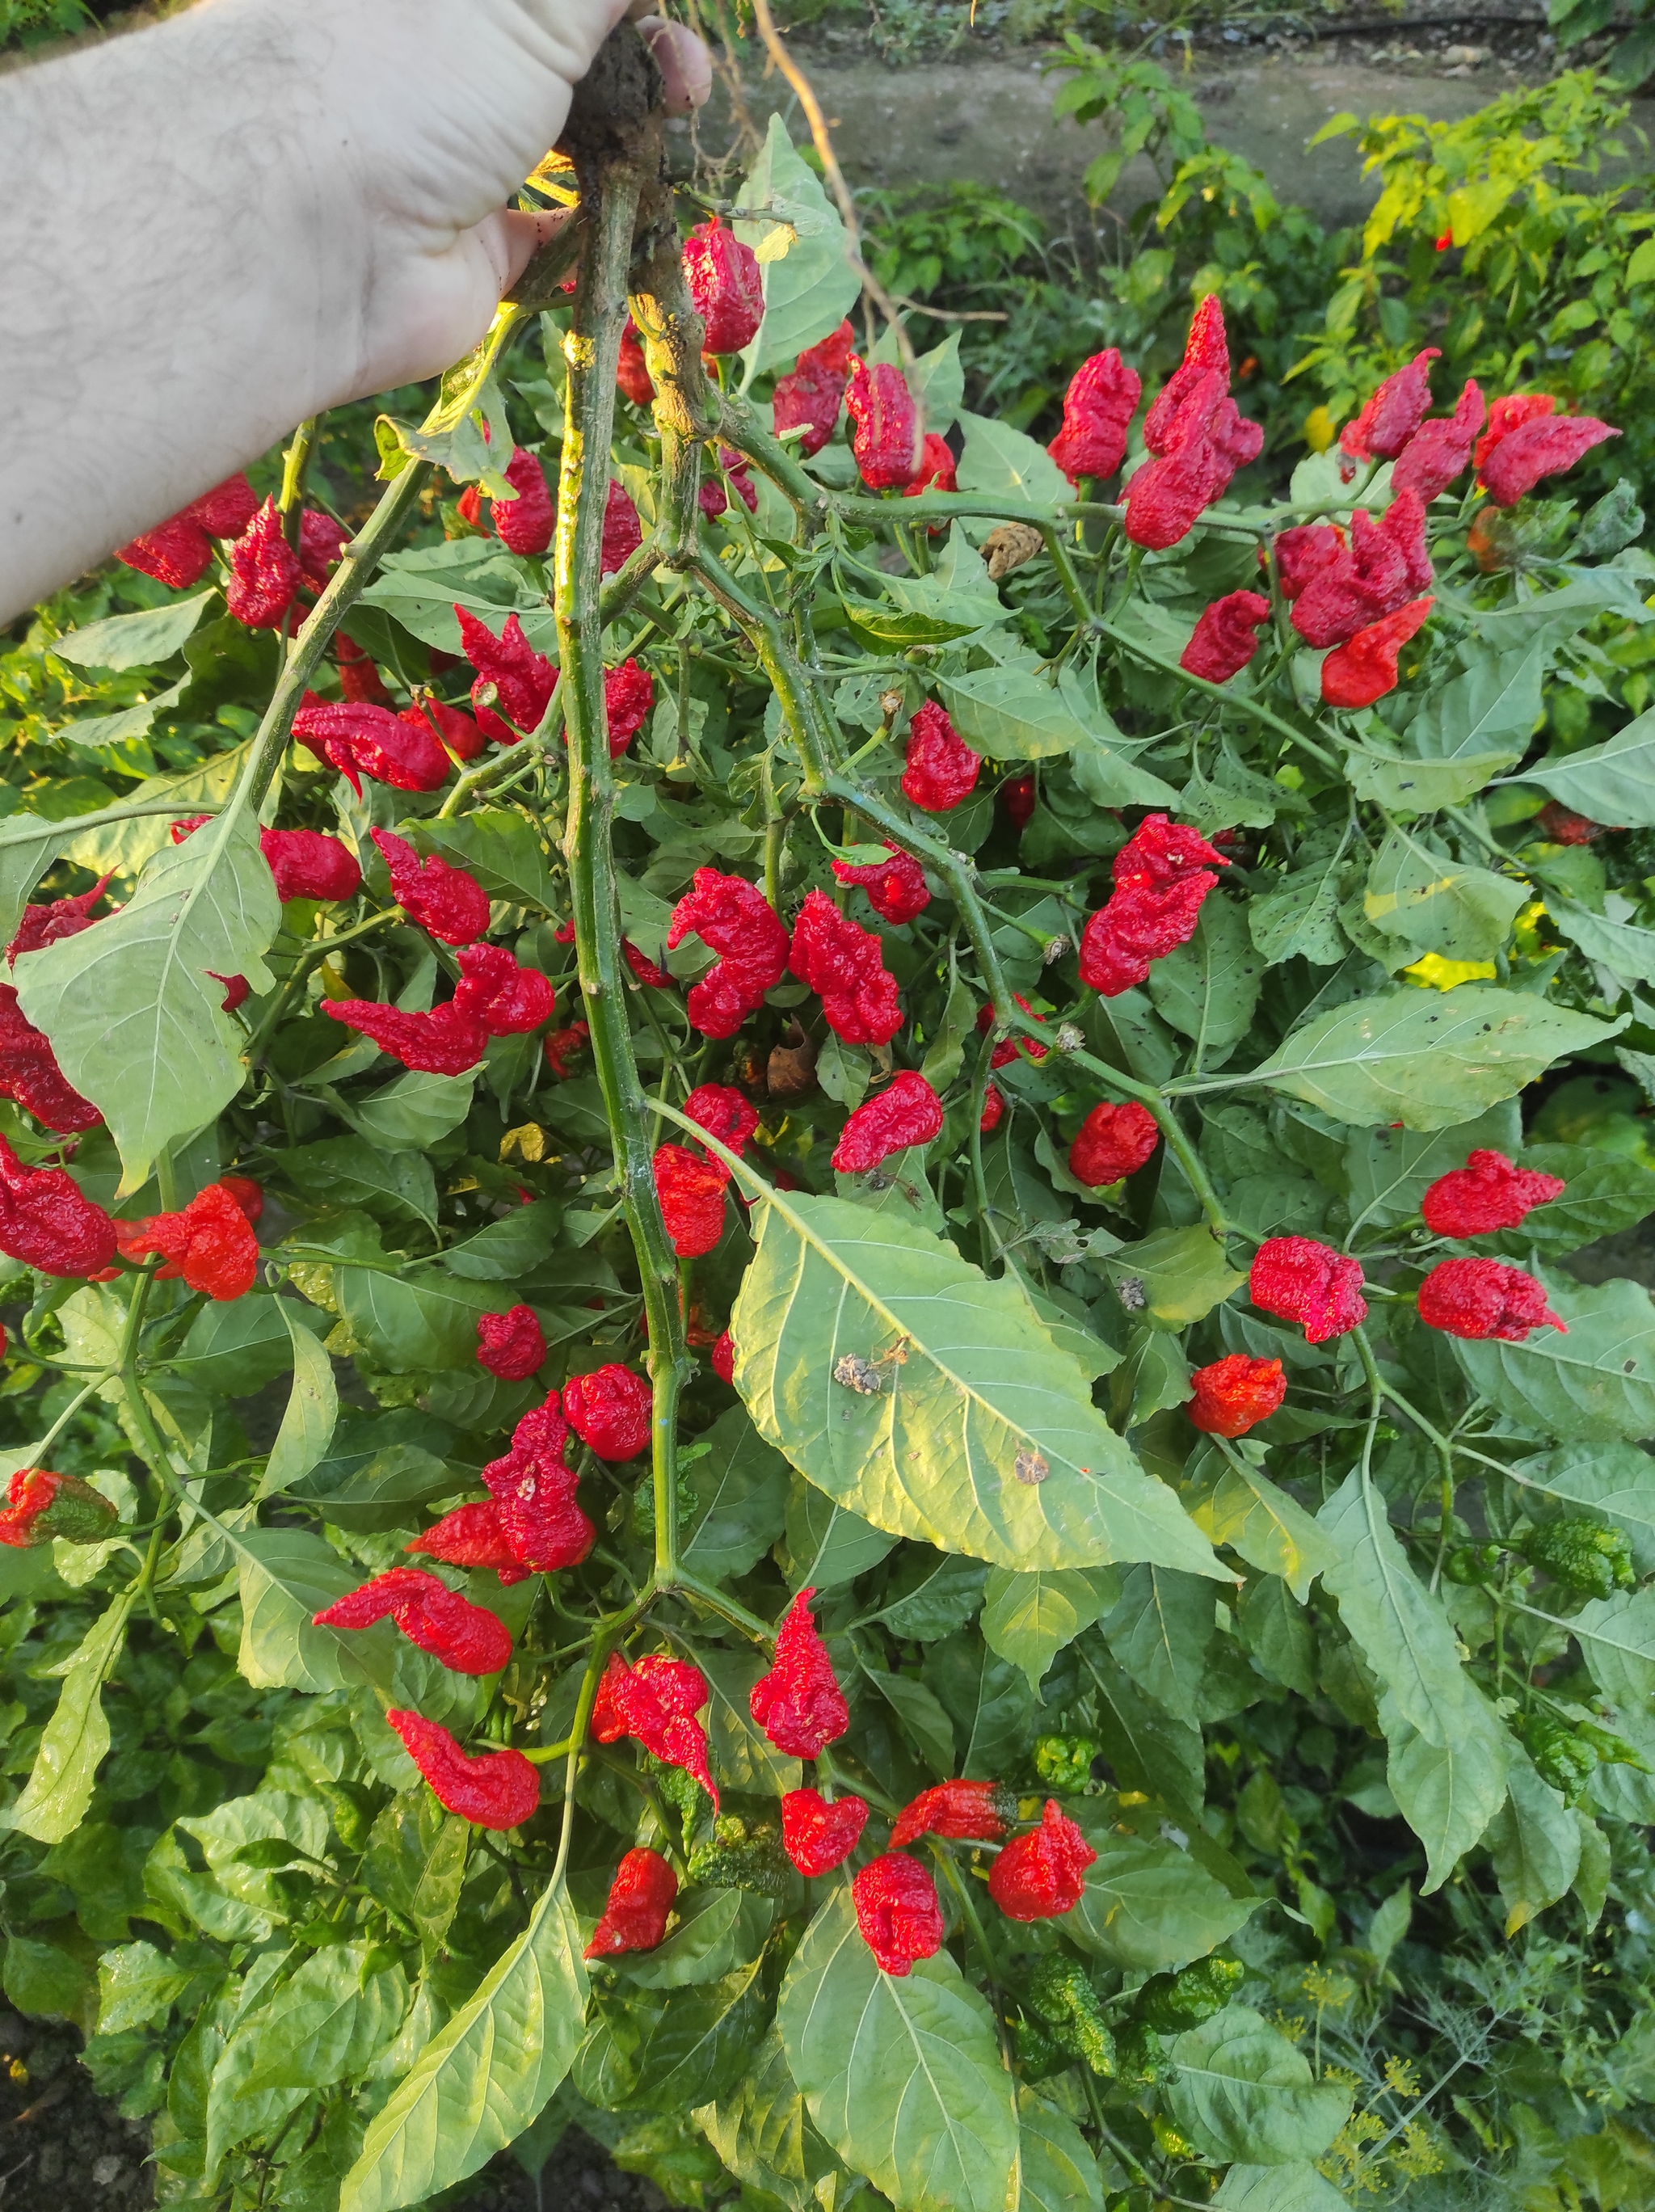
[219, 227]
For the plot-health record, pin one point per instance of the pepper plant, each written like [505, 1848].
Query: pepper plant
[958, 1185]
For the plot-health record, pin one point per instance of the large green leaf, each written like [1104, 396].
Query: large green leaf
[1447, 1793]
[764, 2134]
[1536, 1842]
[902, 2077]
[1295, 2187]
[332, 2021]
[501, 848]
[422, 588]
[981, 1437]
[1209, 987]
[59, 1788]
[1148, 1905]
[1426, 1058]
[1242, 2091]
[139, 640]
[1009, 463]
[811, 287]
[287, 1575]
[1621, 946]
[1029, 1618]
[1616, 1480]
[1438, 905]
[1060, 2171]
[1596, 1383]
[1246, 1510]
[1606, 1193]
[1493, 705]
[487, 2076]
[1616, 1636]
[134, 1008]
[1012, 713]
[1613, 782]
[419, 1322]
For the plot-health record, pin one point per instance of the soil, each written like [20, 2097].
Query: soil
[61, 2145]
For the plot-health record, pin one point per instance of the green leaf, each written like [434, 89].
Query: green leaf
[1159, 1631]
[1209, 987]
[456, 436]
[1621, 945]
[660, 2050]
[1596, 1382]
[1390, 1169]
[937, 379]
[1536, 1842]
[1447, 1793]
[1438, 905]
[329, 2022]
[765, 2136]
[714, 1930]
[311, 1413]
[1148, 1750]
[1606, 1193]
[1244, 2092]
[415, 1863]
[1174, 1277]
[1614, 782]
[45, 1980]
[1417, 787]
[486, 2077]
[809, 292]
[741, 1488]
[24, 859]
[1613, 1481]
[1297, 2187]
[931, 1594]
[1008, 464]
[902, 2077]
[935, 1452]
[501, 848]
[1298, 921]
[60, 1783]
[139, 991]
[122, 727]
[345, 1171]
[989, 1702]
[236, 1347]
[1029, 1618]
[1148, 1905]
[1246, 1510]
[1426, 1058]
[1059, 2173]
[287, 1575]
[140, 641]
[422, 587]
[827, 1544]
[413, 1112]
[1011, 713]
[136, 1985]
[1616, 1636]
[1492, 706]
[924, 1721]
[418, 1322]
[508, 1250]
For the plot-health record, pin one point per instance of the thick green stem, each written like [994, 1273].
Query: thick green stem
[611, 193]
[295, 468]
[814, 733]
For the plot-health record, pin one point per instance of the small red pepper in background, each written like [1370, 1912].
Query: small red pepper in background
[1235, 1394]
[1394, 414]
[733, 919]
[1017, 797]
[897, 890]
[265, 573]
[1485, 1195]
[507, 999]
[721, 1111]
[1113, 1141]
[1097, 413]
[511, 1344]
[799, 1703]
[247, 1195]
[1162, 874]
[446, 1041]
[623, 533]
[628, 695]
[1526, 441]
[965, 1811]
[467, 1639]
[471, 1536]
[906, 1112]
[723, 1358]
[656, 1703]
[42, 1506]
[726, 285]
[1479, 1298]
[371, 741]
[691, 1190]
[1563, 826]
[651, 978]
[359, 679]
[30, 1074]
[1225, 638]
[1439, 451]
[445, 900]
[632, 371]
[1041, 1874]
[496, 1789]
[641, 1898]
[460, 738]
[610, 1410]
[1365, 669]
[813, 393]
[210, 1243]
[994, 1107]
[897, 1911]
[561, 1047]
[1299, 1279]
[322, 543]
[523, 679]
[309, 864]
[890, 443]
[845, 965]
[47, 1222]
[65, 917]
[941, 768]
[818, 1835]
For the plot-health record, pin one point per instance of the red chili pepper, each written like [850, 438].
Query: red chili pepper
[471, 1536]
[1365, 669]
[446, 901]
[65, 917]
[1301, 1281]
[1226, 636]
[521, 680]
[1040, 1875]
[1303, 552]
[308, 864]
[247, 1195]
[897, 1911]
[29, 1073]
[632, 371]
[1563, 826]
[845, 965]
[1439, 451]
[994, 1107]
[733, 919]
[237, 989]
[48, 1223]
[889, 442]
[1017, 797]
[467, 1639]
[937, 472]
[906, 1112]
[1113, 1141]
[814, 392]
[817, 1835]
[1479, 1298]
[723, 1358]
[176, 553]
[1010, 1049]
[1394, 413]
[525, 525]
[372, 741]
[507, 999]
[799, 1704]
[1235, 1394]
[651, 978]
[563, 1044]
[496, 1789]
[1162, 873]
[358, 679]
[457, 734]
[723, 1112]
[511, 1344]
[1485, 1195]
[622, 532]
[964, 1810]
[265, 573]
[656, 1703]
[628, 695]
[226, 510]
[611, 1410]
[210, 1243]
[641, 1898]
[897, 890]
[322, 543]
[1097, 413]
[534, 1494]
[42, 1506]
[1198, 437]
[691, 1190]
[941, 768]
[726, 285]
[446, 1041]
[1384, 564]
[1525, 441]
